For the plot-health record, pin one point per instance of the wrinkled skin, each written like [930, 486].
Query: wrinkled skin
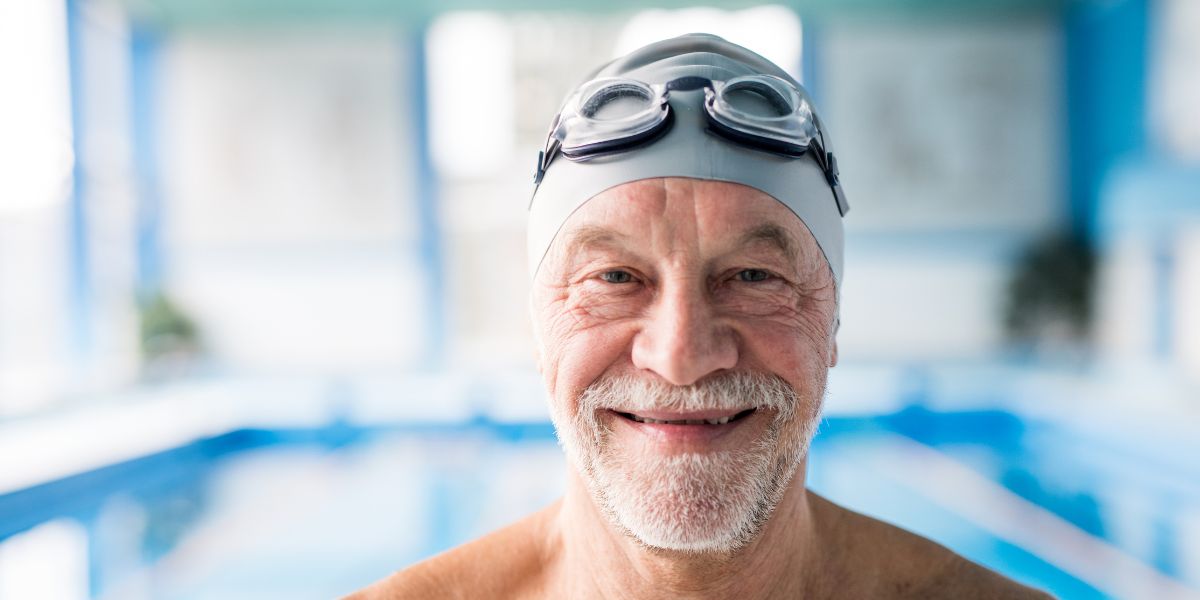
[687, 310]
[679, 280]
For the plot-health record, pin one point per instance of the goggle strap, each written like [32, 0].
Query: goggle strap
[829, 165]
[539, 170]
[840, 196]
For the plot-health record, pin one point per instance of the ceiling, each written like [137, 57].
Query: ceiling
[233, 12]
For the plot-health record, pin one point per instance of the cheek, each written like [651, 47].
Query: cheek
[592, 303]
[578, 349]
[781, 350]
[787, 353]
[791, 344]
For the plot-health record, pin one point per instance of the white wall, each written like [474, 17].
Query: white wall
[949, 141]
[290, 202]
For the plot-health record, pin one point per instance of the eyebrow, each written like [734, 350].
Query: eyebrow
[776, 236]
[591, 235]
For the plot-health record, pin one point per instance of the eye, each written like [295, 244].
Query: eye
[616, 277]
[752, 275]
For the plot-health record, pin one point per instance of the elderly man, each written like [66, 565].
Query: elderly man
[686, 244]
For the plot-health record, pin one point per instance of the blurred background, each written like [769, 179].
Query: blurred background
[262, 286]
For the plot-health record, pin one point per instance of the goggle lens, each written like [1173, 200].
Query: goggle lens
[606, 115]
[616, 102]
[756, 99]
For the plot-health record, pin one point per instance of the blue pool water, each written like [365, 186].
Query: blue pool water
[318, 513]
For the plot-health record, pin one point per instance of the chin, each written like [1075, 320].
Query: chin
[715, 501]
[695, 503]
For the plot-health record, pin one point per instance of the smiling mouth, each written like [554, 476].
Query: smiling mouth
[722, 420]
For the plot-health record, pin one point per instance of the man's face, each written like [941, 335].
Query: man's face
[684, 332]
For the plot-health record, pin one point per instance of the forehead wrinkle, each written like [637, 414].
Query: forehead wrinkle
[660, 215]
[680, 219]
[666, 218]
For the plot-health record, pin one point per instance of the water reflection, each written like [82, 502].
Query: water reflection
[320, 512]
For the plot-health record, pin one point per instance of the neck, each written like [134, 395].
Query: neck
[601, 561]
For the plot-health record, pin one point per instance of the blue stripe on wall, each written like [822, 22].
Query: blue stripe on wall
[429, 240]
[810, 68]
[144, 46]
[79, 301]
[1105, 96]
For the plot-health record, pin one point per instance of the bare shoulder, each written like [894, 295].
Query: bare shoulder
[907, 565]
[961, 578]
[508, 563]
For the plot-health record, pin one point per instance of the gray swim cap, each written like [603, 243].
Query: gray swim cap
[687, 149]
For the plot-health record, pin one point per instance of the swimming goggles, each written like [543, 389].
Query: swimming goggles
[763, 112]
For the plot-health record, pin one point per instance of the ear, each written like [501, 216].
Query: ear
[832, 358]
[536, 349]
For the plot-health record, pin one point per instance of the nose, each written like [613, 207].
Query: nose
[682, 340]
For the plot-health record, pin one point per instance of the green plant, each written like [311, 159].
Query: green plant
[165, 330]
[1050, 293]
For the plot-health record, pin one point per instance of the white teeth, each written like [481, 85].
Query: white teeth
[718, 421]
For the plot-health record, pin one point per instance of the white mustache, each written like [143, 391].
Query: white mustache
[734, 392]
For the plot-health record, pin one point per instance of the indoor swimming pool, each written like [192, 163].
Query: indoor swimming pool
[318, 512]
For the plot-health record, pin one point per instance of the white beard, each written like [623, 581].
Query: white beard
[692, 501]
